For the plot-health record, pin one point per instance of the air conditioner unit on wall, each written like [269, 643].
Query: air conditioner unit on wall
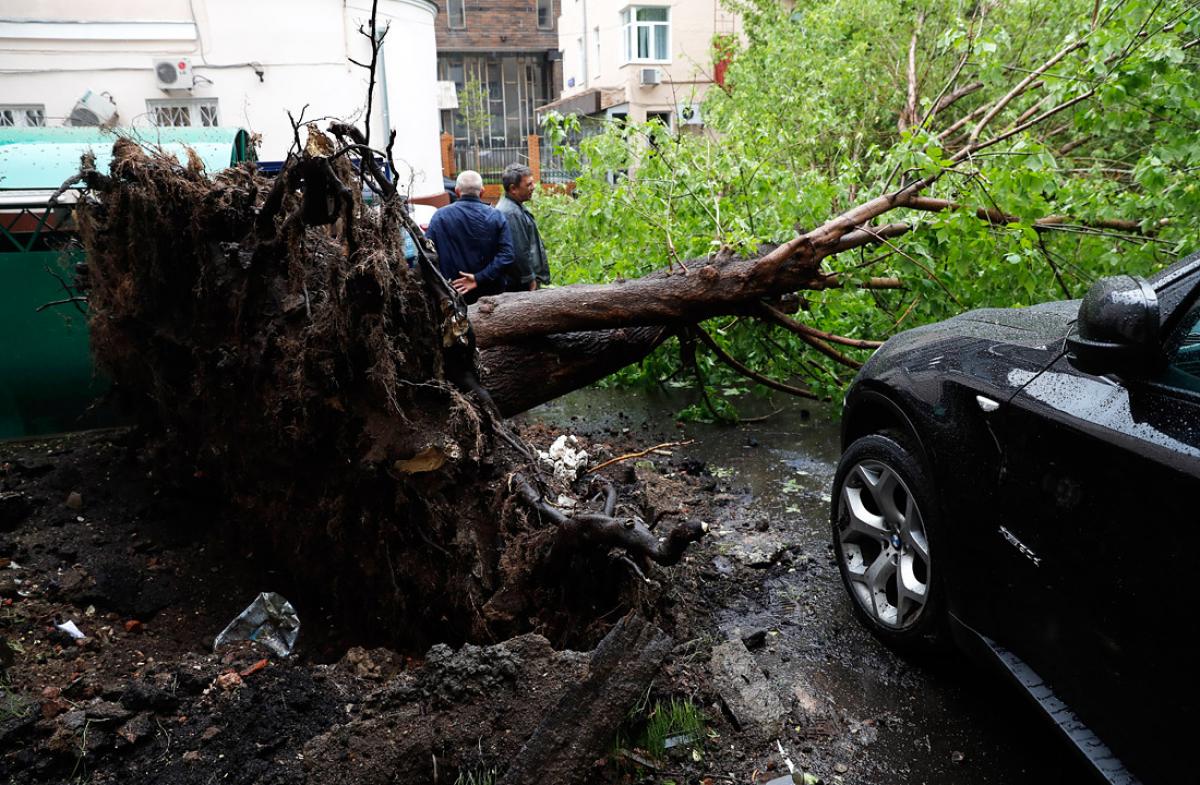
[174, 74]
[93, 109]
[688, 114]
[650, 76]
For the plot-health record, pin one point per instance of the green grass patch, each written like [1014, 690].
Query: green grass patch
[657, 729]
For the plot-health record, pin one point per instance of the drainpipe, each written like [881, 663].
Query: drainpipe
[585, 45]
[387, 123]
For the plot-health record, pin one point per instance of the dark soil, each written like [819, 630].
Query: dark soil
[93, 532]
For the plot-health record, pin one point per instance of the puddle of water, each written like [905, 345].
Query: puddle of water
[942, 725]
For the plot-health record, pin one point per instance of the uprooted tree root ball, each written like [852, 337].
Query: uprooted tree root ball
[275, 343]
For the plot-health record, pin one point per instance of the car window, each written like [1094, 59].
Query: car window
[1183, 365]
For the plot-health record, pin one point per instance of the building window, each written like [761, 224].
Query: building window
[511, 86]
[22, 116]
[456, 14]
[200, 112]
[545, 11]
[647, 33]
[596, 38]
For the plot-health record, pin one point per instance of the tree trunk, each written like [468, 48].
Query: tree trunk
[522, 375]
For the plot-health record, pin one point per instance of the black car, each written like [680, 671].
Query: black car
[1023, 480]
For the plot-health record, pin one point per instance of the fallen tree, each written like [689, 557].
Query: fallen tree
[328, 391]
[280, 346]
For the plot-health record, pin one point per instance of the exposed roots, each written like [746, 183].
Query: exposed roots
[274, 339]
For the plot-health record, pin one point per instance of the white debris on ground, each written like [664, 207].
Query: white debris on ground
[566, 460]
[70, 628]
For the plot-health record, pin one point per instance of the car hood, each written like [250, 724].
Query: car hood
[1031, 326]
[998, 349]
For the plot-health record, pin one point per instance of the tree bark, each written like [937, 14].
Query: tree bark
[706, 290]
[522, 375]
[579, 729]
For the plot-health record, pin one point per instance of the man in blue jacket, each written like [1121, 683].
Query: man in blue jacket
[473, 244]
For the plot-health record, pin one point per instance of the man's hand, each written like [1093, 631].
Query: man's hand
[533, 286]
[464, 283]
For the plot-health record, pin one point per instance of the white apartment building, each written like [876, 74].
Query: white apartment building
[222, 62]
[642, 60]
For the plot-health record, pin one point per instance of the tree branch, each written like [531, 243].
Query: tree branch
[997, 217]
[608, 508]
[749, 372]
[630, 534]
[950, 100]
[804, 332]
[1021, 87]
[909, 116]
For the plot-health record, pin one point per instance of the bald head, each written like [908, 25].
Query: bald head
[469, 183]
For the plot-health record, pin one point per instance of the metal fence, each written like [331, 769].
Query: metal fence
[490, 162]
[554, 169]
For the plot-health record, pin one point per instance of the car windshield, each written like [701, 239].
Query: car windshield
[1176, 288]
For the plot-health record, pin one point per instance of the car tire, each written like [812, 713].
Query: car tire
[884, 515]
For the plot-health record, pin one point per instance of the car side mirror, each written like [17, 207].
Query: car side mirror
[1118, 328]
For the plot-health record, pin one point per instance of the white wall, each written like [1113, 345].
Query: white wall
[53, 51]
[684, 79]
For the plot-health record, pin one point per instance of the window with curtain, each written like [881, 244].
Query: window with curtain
[647, 34]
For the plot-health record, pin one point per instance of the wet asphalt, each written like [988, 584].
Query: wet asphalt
[874, 717]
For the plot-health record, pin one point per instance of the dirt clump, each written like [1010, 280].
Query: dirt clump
[143, 698]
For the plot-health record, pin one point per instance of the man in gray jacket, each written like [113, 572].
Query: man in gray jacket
[529, 255]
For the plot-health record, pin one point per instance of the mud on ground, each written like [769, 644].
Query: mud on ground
[91, 532]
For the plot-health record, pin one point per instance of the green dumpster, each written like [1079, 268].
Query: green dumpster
[47, 382]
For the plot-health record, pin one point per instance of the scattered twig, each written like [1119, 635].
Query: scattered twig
[638, 454]
[70, 291]
[1057, 273]
[907, 311]
[759, 418]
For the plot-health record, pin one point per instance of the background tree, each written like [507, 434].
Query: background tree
[836, 101]
[473, 111]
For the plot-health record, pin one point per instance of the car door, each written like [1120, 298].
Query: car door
[1100, 490]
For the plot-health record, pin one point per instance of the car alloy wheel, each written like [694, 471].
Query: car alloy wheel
[883, 545]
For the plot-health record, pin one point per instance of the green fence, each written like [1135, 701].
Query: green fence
[47, 381]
